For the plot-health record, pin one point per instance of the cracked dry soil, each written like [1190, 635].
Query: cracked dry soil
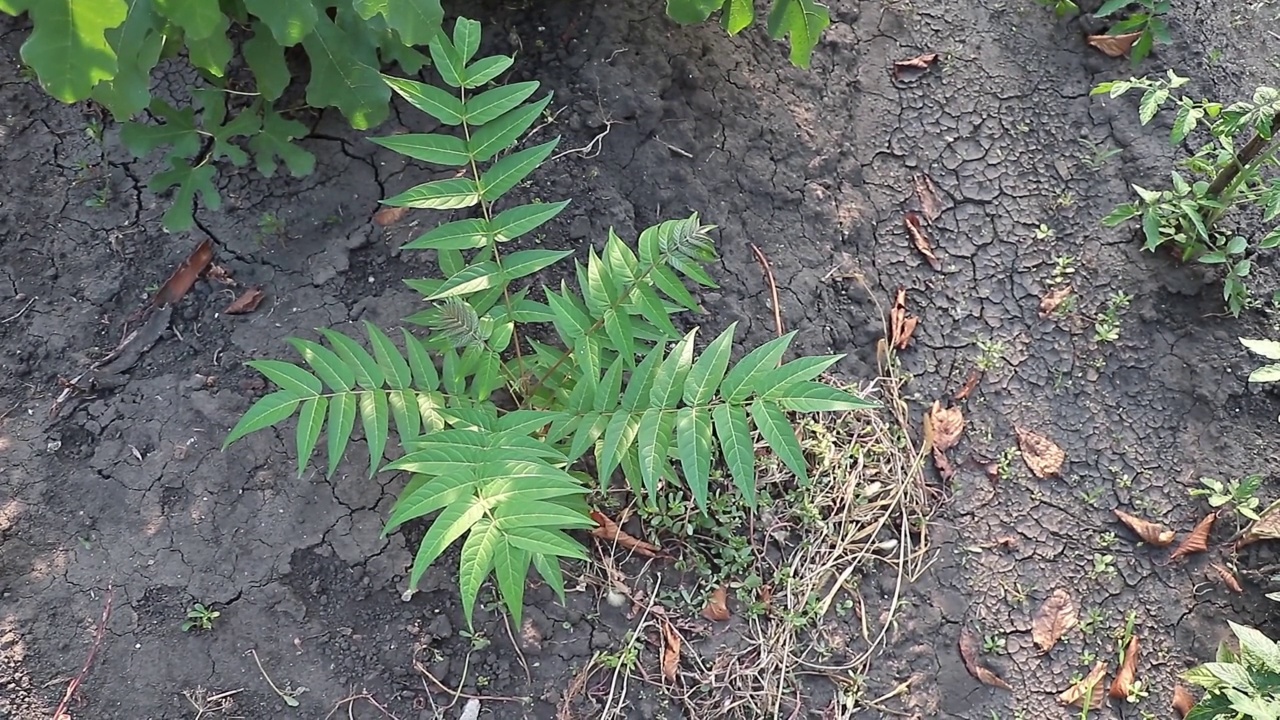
[127, 489]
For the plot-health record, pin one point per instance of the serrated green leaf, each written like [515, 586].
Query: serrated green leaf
[694, 443]
[335, 374]
[428, 147]
[213, 52]
[511, 568]
[452, 373]
[427, 494]
[619, 436]
[451, 194]
[670, 285]
[276, 141]
[476, 562]
[431, 100]
[515, 222]
[288, 20]
[692, 12]
[510, 170]
[190, 181]
[310, 423]
[344, 75]
[404, 408]
[448, 526]
[375, 418]
[707, 372]
[265, 57]
[781, 437]
[523, 263]
[342, 420]
[741, 379]
[816, 397]
[591, 427]
[138, 43]
[485, 69]
[640, 384]
[492, 104]
[470, 279]
[569, 319]
[540, 513]
[395, 369]
[367, 373]
[803, 21]
[425, 376]
[500, 134]
[267, 411]
[289, 377]
[68, 47]
[654, 440]
[734, 433]
[197, 18]
[668, 381]
[541, 541]
[778, 381]
[609, 389]
[549, 569]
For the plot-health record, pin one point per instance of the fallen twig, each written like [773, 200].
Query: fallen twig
[289, 698]
[351, 701]
[98, 632]
[773, 287]
[18, 314]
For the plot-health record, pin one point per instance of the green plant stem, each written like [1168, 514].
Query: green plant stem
[1255, 154]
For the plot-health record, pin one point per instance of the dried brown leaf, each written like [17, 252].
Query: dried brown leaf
[1183, 701]
[530, 635]
[717, 608]
[1151, 533]
[1197, 541]
[219, 274]
[1055, 617]
[670, 650]
[1041, 454]
[969, 654]
[1113, 45]
[1266, 527]
[946, 425]
[1088, 691]
[1228, 578]
[927, 194]
[1128, 672]
[611, 532]
[921, 241]
[180, 282]
[1053, 299]
[945, 469]
[389, 216]
[901, 325]
[246, 303]
[970, 384]
[912, 67]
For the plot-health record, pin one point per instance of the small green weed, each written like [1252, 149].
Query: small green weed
[991, 354]
[1106, 327]
[200, 618]
[1004, 463]
[1094, 618]
[1061, 8]
[1104, 566]
[1239, 495]
[1099, 153]
[1148, 20]
[1239, 684]
[1044, 232]
[1064, 267]
[993, 644]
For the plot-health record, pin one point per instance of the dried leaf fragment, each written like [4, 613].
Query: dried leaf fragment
[1197, 541]
[246, 303]
[1128, 672]
[389, 216]
[1266, 527]
[1113, 45]
[1228, 578]
[1041, 454]
[180, 282]
[611, 532]
[921, 241]
[1053, 299]
[1182, 701]
[1151, 533]
[670, 650]
[912, 68]
[901, 325]
[970, 384]
[927, 194]
[969, 654]
[1055, 617]
[944, 426]
[1089, 691]
[717, 608]
[219, 274]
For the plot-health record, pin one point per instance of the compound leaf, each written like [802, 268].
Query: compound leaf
[428, 147]
[425, 495]
[491, 104]
[68, 47]
[541, 541]
[503, 131]
[619, 435]
[734, 433]
[803, 21]
[466, 38]
[694, 443]
[449, 525]
[344, 75]
[485, 69]
[781, 437]
[740, 380]
[310, 423]
[267, 411]
[447, 60]
[777, 381]
[367, 373]
[342, 420]
[540, 513]
[375, 418]
[276, 141]
[337, 376]
[515, 222]
[289, 377]
[265, 57]
[668, 382]
[510, 170]
[654, 438]
[394, 368]
[470, 279]
[404, 408]
[424, 371]
[527, 262]
[812, 396]
[432, 100]
[289, 20]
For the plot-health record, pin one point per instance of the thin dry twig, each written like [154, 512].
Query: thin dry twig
[351, 701]
[593, 147]
[457, 692]
[98, 633]
[19, 314]
[204, 703]
[773, 288]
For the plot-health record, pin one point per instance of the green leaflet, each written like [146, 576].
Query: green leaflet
[344, 75]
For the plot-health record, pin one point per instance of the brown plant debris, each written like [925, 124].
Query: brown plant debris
[901, 325]
[1128, 672]
[389, 216]
[180, 282]
[1053, 299]
[767, 267]
[970, 384]
[927, 194]
[1266, 527]
[912, 68]
[1113, 45]
[220, 275]
[1055, 617]
[1151, 533]
[246, 303]
[717, 608]
[609, 531]
[670, 650]
[1041, 454]
[1198, 540]
[1182, 701]
[1228, 578]
[969, 654]
[944, 426]
[1089, 691]
[921, 241]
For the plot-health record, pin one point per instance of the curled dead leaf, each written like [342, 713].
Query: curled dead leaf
[219, 274]
[1053, 299]
[1228, 578]
[969, 654]
[921, 241]
[670, 650]
[1041, 454]
[246, 303]
[1197, 541]
[180, 282]
[609, 530]
[1266, 527]
[911, 68]
[901, 325]
[1089, 691]
[1055, 617]
[717, 607]
[1122, 685]
[1183, 701]
[1113, 45]
[927, 194]
[1151, 533]
[945, 426]
[389, 216]
[946, 470]
[970, 384]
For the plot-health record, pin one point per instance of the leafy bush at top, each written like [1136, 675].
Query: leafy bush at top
[1235, 168]
[1242, 685]
[105, 50]
[496, 409]
[801, 21]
